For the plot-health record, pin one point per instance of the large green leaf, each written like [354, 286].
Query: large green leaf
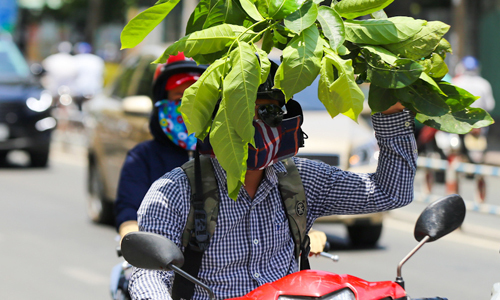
[423, 98]
[301, 62]
[206, 41]
[265, 64]
[304, 17]
[459, 122]
[432, 82]
[421, 44]
[249, 7]
[244, 34]
[230, 149]
[380, 99]
[262, 7]
[140, 26]
[199, 100]
[351, 9]
[280, 9]
[382, 53]
[280, 38]
[268, 41]
[401, 73]
[457, 98]
[443, 47]
[332, 26]
[379, 14]
[434, 66]
[207, 59]
[339, 94]
[382, 31]
[210, 13]
[240, 90]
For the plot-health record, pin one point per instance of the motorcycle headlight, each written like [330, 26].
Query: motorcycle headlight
[344, 294]
[40, 105]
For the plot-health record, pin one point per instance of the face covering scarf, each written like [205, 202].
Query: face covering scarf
[172, 124]
[272, 144]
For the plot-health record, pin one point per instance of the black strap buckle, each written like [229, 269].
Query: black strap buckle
[200, 229]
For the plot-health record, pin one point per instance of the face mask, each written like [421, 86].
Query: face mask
[172, 124]
[272, 144]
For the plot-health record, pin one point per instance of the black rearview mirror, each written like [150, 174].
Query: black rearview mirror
[440, 218]
[151, 251]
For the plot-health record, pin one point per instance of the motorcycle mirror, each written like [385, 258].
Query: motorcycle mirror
[440, 218]
[151, 251]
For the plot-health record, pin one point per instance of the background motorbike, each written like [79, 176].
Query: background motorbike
[455, 148]
[155, 252]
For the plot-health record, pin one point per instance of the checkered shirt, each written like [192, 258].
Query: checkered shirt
[252, 244]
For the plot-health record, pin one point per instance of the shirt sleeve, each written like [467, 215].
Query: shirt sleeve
[163, 211]
[332, 191]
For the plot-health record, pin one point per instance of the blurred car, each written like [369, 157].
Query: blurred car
[115, 121]
[25, 107]
[118, 119]
[342, 143]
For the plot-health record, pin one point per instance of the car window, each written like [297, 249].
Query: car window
[12, 62]
[122, 84]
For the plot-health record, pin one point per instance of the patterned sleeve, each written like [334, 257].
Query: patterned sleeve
[163, 211]
[331, 191]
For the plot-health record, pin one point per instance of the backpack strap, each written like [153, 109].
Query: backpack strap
[295, 204]
[201, 222]
[203, 205]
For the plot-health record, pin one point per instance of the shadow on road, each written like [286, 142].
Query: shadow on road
[338, 243]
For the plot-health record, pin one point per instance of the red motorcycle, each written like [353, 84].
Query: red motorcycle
[155, 252]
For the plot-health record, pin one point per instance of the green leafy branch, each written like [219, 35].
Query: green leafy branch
[402, 58]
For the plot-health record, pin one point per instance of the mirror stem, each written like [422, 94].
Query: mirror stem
[399, 278]
[192, 279]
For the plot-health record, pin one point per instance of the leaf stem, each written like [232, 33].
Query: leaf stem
[241, 34]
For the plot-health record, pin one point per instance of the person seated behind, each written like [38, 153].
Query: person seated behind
[252, 243]
[170, 147]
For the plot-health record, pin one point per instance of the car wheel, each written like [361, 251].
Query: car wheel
[98, 209]
[364, 235]
[39, 158]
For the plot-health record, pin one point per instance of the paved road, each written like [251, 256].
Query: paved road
[51, 251]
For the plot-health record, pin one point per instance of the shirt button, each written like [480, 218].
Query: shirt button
[256, 275]
[407, 124]
[256, 242]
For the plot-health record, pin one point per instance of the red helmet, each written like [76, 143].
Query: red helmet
[178, 64]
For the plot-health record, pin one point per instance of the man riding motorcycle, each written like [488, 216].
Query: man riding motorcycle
[252, 242]
[170, 147]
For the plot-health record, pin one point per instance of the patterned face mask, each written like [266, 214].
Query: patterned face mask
[272, 144]
[172, 124]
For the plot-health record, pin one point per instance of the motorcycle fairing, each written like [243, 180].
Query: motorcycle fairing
[315, 284]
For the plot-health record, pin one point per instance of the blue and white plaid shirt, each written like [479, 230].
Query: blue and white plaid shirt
[252, 244]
